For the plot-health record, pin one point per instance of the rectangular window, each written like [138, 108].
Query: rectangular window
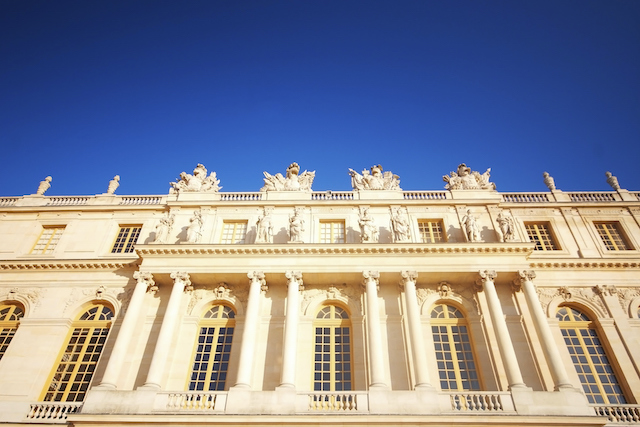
[234, 232]
[48, 240]
[127, 237]
[431, 231]
[612, 236]
[540, 233]
[331, 231]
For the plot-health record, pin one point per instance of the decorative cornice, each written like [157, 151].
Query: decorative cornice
[344, 249]
[623, 265]
[68, 265]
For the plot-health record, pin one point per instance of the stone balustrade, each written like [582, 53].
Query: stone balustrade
[187, 401]
[526, 197]
[481, 402]
[52, 412]
[337, 402]
[628, 414]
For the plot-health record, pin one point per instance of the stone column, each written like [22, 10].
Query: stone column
[163, 343]
[376, 360]
[414, 324]
[549, 346]
[291, 330]
[121, 346]
[507, 352]
[249, 335]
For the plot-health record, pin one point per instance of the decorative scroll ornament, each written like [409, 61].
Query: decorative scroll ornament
[33, 295]
[408, 275]
[369, 276]
[626, 296]
[258, 276]
[374, 180]
[294, 180]
[178, 276]
[523, 275]
[147, 279]
[295, 275]
[198, 182]
[465, 179]
[485, 275]
[606, 290]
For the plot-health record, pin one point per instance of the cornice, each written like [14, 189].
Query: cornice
[585, 265]
[524, 249]
[67, 265]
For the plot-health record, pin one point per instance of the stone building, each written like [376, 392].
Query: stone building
[293, 307]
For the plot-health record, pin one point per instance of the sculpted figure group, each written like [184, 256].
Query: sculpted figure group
[198, 182]
[294, 180]
[374, 180]
[465, 179]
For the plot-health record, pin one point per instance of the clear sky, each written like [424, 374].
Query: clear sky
[148, 89]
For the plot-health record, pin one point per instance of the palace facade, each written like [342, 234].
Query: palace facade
[289, 306]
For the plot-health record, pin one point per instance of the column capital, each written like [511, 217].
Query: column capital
[408, 275]
[146, 278]
[258, 276]
[371, 275]
[523, 276]
[180, 276]
[484, 277]
[294, 275]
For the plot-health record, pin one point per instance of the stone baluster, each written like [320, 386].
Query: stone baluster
[549, 346]
[249, 336]
[414, 324]
[169, 322]
[376, 359]
[144, 283]
[507, 352]
[291, 329]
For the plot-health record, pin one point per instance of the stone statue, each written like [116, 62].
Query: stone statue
[198, 182]
[294, 181]
[464, 179]
[44, 186]
[194, 230]
[612, 181]
[374, 180]
[400, 226]
[164, 227]
[368, 229]
[471, 227]
[113, 184]
[296, 226]
[264, 227]
[548, 181]
[507, 232]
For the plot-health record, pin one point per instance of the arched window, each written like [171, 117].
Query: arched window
[454, 351]
[211, 355]
[596, 374]
[10, 315]
[333, 369]
[70, 380]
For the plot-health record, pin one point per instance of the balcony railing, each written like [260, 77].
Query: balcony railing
[187, 401]
[425, 195]
[593, 197]
[481, 402]
[337, 402]
[52, 412]
[620, 413]
[525, 197]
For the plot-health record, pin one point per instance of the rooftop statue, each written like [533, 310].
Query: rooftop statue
[113, 184]
[612, 181]
[198, 182]
[549, 181]
[374, 180]
[44, 186]
[465, 179]
[294, 181]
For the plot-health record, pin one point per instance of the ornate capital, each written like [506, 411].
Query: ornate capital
[178, 276]
[258, 276]
[371, 275]
[408, 275]
[146, 278]
[296, 275]
[484, 276]
[523, 276]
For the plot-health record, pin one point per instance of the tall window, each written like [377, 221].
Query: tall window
[596, 374]
[127, 237]
[48, 240]
[332, 369]
[10, 315]
[211, 355]
[234, 232]
[612, 236]
[431, 231]
[331, 231]
[454, 352]
[70, 380]
[540, 233]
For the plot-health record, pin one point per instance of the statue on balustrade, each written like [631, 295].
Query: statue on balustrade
[113, 184]
[612, 181]
[44, 186]
[374, 180]
[294, 180]
[368, 229]
[400, 226]
[465, 179]
[549, 181]
[471, 227]
[507, 230]
[164, 227]
[264, 227]
[198, 182]
[194, 230]
[296, 226]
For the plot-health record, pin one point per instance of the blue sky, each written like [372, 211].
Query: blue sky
[148, 89]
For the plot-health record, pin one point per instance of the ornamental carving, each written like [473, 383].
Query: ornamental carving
[368, 229]
[626, 295]
[34, 296]
[400, 225]
[374, 180]
[199, 182]
[334, 292]
[465, 179]
[293, 181]
[423, 294]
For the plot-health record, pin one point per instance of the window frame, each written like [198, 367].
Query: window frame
[9, 328]
[127, 243]
[621, 232]
[61, 227]
[235, 222]
[332, 323]
[321, 222]
[429, 221]
[553, 237]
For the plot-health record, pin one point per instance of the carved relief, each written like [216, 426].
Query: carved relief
[374, 180]
[296, 226]
[164, 228]
[591, 296]
[334, 292]
[294, 180]
[33, 295]
[368, 229]
[465, 179]
[198, 182]
[264, 227]
[626, 296]
[400, 226]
